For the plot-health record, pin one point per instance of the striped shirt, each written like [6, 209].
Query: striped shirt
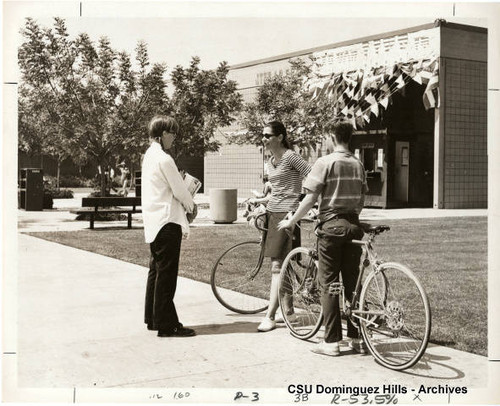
[340, 180]
[286, 180]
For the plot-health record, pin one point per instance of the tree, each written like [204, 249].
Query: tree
[284, 97]
[37, 134]
[86, 97]
[202, 102]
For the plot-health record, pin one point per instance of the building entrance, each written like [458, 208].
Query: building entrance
[401, 171]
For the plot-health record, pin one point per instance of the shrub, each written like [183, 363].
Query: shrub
[102, 216]
[67, 181]
[62, 194]
[74, 181]
[49, 182]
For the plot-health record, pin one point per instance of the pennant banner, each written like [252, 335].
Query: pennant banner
[431, 93]
[358, 94]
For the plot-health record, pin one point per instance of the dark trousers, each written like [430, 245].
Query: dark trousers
[335, 257]
[162, 278]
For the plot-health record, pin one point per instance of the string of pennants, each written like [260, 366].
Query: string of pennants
[357, 95]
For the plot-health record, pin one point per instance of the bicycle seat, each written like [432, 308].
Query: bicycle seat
[369, 229]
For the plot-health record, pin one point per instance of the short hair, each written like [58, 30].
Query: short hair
[158, 124]
[343, 132]
[279, 129]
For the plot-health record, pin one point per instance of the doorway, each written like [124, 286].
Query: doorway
[401, 171]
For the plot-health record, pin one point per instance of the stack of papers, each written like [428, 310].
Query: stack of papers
[192, 183]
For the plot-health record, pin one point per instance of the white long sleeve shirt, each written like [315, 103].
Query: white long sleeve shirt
[165, 198]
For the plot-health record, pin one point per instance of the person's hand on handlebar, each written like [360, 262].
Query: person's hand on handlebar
[287, 223]
[305, 205]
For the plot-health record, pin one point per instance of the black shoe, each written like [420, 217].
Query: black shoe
[179, 331]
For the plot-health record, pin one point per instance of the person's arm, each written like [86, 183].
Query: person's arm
[267, 189]
[260, 200]
[299, 164]
[179, 189]
[305, 205]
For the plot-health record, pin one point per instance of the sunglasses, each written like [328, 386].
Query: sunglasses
[267, 136]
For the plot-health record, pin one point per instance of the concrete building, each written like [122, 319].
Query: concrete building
[418, 100]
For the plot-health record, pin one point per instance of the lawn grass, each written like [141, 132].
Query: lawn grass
[449, 256]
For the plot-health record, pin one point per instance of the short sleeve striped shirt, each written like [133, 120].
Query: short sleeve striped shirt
[286, 181]
[340, 180]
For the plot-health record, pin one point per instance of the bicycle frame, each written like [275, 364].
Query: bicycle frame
[256, 270]
[368, 260]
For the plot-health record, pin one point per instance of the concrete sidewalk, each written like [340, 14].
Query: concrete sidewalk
[80, 325]
[60, 219]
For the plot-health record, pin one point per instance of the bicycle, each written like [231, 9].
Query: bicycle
[389, 304]
[236, 278]
[238, 270]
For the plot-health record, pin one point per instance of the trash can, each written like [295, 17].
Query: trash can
[223, 205]
[31, 189]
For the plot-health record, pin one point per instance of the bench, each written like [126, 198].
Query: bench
[103, 205]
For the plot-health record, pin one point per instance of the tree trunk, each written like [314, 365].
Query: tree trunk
[103, 183]
[103, 178]
[58, 172]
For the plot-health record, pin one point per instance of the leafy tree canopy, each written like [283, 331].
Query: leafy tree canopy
[285, 98]
[87, 100]
[202, 102]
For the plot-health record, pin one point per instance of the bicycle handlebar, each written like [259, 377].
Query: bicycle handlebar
[256, 221]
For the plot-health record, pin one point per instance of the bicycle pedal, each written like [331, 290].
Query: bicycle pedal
[335, 288]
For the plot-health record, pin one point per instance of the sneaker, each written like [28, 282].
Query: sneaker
[330, 349]
[179, 331]
[358, 345]
[292, 318]
[266, 325]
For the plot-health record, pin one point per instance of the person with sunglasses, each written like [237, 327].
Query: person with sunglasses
[286, 169]
[166, 202]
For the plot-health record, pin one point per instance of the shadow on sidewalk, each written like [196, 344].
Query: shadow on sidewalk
[232, 328]
[435, 366]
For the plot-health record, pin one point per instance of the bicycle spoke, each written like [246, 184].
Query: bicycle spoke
[299, 294]
[398, 337]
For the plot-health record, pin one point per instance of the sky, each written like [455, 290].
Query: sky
[235, 32]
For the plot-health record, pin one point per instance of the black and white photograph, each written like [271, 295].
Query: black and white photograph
[225, 202]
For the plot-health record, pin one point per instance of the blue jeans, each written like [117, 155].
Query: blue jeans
[335, 257]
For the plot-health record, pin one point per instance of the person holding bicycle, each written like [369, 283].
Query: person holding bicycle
[265, 192]
[340, 182]
[286, 169]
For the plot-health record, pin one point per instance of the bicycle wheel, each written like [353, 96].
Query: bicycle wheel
[241, 278]
[299, 294]
[396, 316]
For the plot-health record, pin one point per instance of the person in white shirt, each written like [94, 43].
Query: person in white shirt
[165, 204]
